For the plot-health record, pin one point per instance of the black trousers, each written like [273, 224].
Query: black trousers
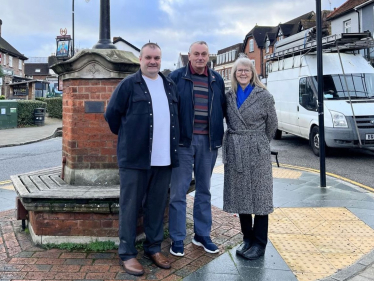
[257, 232]
[147, 189]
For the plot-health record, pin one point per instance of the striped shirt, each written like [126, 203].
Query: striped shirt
[200, 91]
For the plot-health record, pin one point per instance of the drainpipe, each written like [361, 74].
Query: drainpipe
[359, 22]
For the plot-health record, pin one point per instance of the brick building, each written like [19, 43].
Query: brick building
[225, 60]
[260, 41]
[12, 63]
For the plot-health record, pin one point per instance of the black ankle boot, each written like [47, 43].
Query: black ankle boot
[255, 252]
[243, 247]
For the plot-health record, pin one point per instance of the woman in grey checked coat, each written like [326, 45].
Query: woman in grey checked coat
[248, 186]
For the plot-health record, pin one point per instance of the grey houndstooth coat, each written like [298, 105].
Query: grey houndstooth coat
[248, 185]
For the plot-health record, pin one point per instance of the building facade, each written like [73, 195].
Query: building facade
[225, 60]
[12, 63]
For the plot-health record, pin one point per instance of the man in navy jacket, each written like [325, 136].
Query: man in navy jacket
[202, 106]
[143, 112]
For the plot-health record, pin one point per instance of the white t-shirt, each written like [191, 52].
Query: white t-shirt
[161, 122]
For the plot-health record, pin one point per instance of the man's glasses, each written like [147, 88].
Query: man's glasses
[246, 71]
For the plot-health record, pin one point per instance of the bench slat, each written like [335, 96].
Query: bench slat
[57, 180]
[39, 183]
[29, 184]
[18, 186]
[50, 183]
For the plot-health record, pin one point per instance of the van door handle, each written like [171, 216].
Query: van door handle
[297, 108]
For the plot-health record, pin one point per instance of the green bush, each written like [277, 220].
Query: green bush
[2, 97]
[40, 99]
[54, 107]
[26, 111]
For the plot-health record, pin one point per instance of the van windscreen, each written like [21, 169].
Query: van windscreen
[360, 85]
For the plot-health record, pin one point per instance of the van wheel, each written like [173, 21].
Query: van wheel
[278, 134]
[314, 141]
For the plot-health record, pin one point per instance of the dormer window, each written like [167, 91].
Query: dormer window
[37, 70]
[267, 44]
[280, 35]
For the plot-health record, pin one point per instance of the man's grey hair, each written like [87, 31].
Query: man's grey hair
[151, 45]
[198, 42]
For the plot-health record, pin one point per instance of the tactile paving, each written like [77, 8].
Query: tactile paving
[283, 226]
[317, 242]
[311, 263]
[296, 243]
[280, 173]
[302, 214]
[342, 260]
[336, 214]
[277, 172]
[333, 244]
[304, 276]
[342, 228]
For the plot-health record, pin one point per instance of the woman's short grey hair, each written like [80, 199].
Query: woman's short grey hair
[254, 80]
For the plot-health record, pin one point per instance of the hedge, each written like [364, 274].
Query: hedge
[26, 111]
[2, 97]
[54, 106]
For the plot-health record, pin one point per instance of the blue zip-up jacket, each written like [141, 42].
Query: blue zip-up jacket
[130, 116]
[216, 106]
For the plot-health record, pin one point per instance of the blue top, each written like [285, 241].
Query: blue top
[241, 95]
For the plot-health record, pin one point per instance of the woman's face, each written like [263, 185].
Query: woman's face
[244, 75]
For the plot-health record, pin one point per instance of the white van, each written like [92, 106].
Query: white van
[293, 83]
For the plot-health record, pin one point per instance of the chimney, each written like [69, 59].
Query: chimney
[1, 23]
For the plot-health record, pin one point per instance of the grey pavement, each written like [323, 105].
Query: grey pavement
[19, 136]
[302, 192]
[288, 192]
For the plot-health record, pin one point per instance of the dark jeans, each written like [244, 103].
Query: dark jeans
[147, 189]
[258, 233]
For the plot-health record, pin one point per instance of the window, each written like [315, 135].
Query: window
[267, 45]
[230, 58]
[37, 70]
[4, 59]
[229, 73]
[280, 35]
[347, 26]
[10, 61]
[234, 53]
[227, 57]
[251, 46]
[253, 62]
[307, 97]
[19, 64]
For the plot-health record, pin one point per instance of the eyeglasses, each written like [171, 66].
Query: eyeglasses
[245, 71]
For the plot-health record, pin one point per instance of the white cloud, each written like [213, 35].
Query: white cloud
[31, 26]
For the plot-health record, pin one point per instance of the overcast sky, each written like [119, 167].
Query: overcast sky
[31, 26]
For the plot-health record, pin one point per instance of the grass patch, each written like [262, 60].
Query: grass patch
[139, 245]
[96, 246]
[27, 230]
[166, 233]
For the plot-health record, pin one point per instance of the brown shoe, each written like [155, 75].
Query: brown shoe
[132, 266]
[159, 259]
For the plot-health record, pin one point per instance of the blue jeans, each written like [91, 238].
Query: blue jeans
[198, 157]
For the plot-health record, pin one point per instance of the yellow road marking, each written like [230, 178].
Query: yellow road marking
[9, 187]
[5, 182]
[327, 173]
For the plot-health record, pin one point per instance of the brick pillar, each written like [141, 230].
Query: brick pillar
[89, 147]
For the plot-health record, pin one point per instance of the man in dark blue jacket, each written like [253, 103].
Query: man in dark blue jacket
[143, 112]
[202, 106]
